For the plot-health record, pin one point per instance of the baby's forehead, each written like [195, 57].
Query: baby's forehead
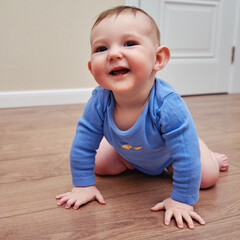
[134, 17]
[132, 20]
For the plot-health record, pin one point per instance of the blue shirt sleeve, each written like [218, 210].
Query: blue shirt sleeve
[181, 139]
[86, 141]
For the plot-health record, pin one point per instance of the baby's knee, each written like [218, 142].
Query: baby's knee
[100, 165]
[209, 180]
[99, 170]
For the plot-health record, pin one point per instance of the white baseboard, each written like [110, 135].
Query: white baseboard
[44, 97]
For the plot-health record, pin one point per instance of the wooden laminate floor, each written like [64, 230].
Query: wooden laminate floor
[34, 167]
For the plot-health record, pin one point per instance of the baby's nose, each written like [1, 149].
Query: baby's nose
[115, 54]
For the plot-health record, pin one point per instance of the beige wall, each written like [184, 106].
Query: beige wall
[44, 44]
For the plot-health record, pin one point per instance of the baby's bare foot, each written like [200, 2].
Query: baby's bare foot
[223, 161]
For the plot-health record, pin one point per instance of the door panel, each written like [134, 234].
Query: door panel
[190, 29]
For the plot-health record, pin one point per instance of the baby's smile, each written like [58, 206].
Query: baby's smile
[118, 71]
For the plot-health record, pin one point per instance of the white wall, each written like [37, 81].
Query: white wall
[44, 47]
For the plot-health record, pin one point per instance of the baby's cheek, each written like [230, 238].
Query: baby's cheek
[143, 63]
[97, 69]
[144, 70]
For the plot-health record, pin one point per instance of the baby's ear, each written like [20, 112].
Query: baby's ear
[90, 66]
[162, 58]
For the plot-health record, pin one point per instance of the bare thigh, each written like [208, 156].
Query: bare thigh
[109, 161]
[210, 166]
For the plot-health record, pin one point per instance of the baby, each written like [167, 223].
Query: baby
[136, 121]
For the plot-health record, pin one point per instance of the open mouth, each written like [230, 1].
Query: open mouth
[119, 72]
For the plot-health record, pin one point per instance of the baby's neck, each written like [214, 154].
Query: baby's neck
[127, 109]
[131, 100]
[126, 116]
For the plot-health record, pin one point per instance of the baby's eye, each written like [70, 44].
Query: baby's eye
[101, 49]
[130, 43]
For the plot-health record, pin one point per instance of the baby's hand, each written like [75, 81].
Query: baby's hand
[79, 196]
[180, 211]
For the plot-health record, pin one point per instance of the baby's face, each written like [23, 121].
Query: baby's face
[123, 52]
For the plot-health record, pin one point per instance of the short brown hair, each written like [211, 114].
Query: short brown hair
[119, 9]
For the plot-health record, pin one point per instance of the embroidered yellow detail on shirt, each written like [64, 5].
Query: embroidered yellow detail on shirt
[138, 148]
[127, 146]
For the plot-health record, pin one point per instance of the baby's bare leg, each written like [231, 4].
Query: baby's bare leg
[212, 163]
[108, 161]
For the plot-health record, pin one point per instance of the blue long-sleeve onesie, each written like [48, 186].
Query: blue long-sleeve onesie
[163, 134]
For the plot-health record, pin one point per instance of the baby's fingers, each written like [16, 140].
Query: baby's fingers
[69, 203]
[178, 218]
[100, 198]
[168, 216]
[77, 204]
[188, 220]
[63, 195]
[62, 200]
[197, 217]
[158, 207]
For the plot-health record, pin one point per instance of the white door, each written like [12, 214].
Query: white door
[234, 86]
[199, 34]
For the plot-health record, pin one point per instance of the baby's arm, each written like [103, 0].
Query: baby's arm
[88, 135]
[181, 139]
[180, 211]
[79, 196]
